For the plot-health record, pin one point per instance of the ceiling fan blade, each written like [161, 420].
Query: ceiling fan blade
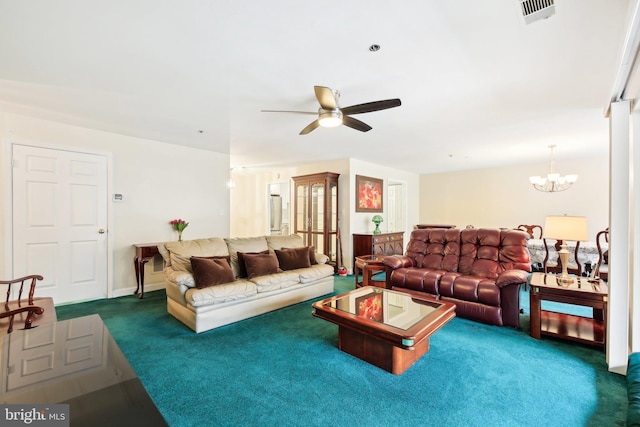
[355, 124]
[371, 106]
[326, 98]
[315, 113]
[311, 126]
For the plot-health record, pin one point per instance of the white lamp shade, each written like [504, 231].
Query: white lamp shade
[565, 227]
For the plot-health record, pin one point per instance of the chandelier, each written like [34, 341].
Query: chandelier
[553, 182]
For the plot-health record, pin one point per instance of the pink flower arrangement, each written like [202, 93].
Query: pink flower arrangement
[179, 225]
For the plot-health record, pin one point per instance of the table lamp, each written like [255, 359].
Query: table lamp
[565, 228]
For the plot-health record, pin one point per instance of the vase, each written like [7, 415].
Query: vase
[377, 230]
[179, 236]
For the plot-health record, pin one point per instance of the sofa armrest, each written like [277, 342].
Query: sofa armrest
[512, 277]
[397, 261]
[180, 278]
[321, 258]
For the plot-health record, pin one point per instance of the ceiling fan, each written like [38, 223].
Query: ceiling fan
[331, 115]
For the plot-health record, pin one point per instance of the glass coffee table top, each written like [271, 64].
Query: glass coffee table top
[388, 307]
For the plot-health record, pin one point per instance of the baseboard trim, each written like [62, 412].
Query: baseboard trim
[148, 287]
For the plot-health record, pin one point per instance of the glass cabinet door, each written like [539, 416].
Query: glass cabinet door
[301, 220]
[316, 211]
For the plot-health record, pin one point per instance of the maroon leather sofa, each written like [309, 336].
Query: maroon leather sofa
[479, 270]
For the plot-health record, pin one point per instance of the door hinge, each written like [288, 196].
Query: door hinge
[14, 162]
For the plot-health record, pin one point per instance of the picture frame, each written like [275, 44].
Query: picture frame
[370, 306]
[369, 194]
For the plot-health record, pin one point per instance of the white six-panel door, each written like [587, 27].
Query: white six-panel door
[60, 221]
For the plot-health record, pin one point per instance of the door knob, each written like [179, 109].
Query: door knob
[101, 231]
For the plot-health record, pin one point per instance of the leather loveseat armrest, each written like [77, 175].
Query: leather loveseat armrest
[512, 277]
[397, 261]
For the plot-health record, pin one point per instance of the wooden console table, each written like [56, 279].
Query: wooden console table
[583, 291]
[144, 253]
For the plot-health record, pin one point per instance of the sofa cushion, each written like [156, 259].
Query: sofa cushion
[315, 272]
[293, 258]
[244, 244]
[260, 264]
[182, 251]
[240, 289]
[434, 248]
[242, 268]
[279, 242]
[479, 252]
[514, 254]
[417, 279]
[211, 271]
[272, 282]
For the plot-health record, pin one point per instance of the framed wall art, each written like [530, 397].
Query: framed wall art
[368, 194]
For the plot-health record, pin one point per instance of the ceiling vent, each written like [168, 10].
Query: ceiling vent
[536, 10]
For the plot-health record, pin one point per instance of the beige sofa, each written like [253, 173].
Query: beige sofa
[206, 308]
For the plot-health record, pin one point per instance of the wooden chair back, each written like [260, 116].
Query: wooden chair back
[558, 267]
[530, 229]
[601, 269]
[25, 309]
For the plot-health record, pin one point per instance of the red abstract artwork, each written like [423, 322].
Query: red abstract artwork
[368, 194]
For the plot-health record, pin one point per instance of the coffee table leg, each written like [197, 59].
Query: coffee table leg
[534, 306]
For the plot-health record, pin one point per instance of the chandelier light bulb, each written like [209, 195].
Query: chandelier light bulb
[554, 182]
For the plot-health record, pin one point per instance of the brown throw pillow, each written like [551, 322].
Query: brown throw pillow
[211, 271]
[312, 255]
[242, 269]
[292, 258]
[260, 264]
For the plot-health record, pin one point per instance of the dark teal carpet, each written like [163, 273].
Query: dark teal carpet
[284, 368]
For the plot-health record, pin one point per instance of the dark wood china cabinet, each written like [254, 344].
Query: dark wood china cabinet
[315, 215]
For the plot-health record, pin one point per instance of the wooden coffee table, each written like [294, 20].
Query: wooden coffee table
[388, 329]
[583, 291]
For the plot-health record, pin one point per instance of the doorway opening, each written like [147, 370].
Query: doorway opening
[397, 206]
[278, 209]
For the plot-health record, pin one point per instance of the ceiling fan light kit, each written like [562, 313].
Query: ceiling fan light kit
[329, 118]
[331, 115]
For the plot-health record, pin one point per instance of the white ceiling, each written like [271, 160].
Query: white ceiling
[479, 87]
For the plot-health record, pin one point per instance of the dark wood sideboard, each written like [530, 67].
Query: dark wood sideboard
[378, 244]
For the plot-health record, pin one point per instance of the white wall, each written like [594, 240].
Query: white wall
[249, 197]
[360, 221]
[159, 182]
[503, 197]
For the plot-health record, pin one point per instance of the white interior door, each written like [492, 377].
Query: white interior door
[396, 206]
[60, 221]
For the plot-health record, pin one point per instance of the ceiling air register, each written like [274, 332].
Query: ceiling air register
[536, 10]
